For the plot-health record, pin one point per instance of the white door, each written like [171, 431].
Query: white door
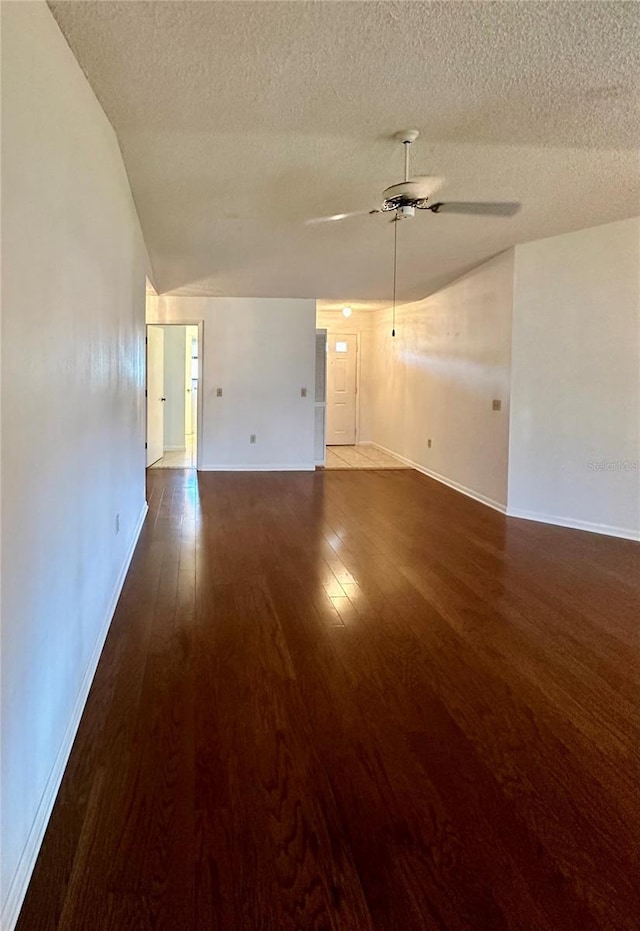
[155, 394]
[341, 389]
[188, 406]
[194, 384]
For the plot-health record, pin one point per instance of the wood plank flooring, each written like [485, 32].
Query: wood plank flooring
[353, 701]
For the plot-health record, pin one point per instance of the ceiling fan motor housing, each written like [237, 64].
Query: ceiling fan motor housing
[406, 194]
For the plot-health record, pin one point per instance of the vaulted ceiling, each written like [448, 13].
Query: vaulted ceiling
[238, 121]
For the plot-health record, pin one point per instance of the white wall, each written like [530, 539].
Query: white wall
[261, 352]
[437, 379]
[362, 323]
[72, 413]
[174, 386]
[574, 445]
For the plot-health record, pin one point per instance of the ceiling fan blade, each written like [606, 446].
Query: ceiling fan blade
[339, 216]
[477, 208]
[427, 185]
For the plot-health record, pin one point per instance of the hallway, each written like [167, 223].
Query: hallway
[179, 458]
[352, 700]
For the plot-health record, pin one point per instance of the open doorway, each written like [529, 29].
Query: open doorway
[173, 375]
[338, 374]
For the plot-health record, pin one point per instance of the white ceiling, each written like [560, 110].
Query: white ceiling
[238, 121]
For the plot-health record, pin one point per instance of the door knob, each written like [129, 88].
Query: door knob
[163, 399]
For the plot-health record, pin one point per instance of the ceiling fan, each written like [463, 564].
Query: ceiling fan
[414, 194]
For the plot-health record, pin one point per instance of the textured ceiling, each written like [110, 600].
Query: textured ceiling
[239, 120]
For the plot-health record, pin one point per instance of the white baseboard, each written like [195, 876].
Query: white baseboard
[258, 468]
[626, 533]
[20, 881]
[469, 492]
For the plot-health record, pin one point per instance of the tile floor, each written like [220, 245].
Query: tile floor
[179, 458]
[338, 457]
[361, 457]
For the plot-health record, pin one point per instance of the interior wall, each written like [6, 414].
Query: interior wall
[174, 386]
[73, 492]
[575, 444]
[437, 379]
[362, 323]
[260, 352]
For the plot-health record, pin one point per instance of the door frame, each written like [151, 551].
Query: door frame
[357, 336]
[199, 399]
[357, 388]
[147, 464]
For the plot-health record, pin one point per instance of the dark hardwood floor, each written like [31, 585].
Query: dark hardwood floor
[355, 701]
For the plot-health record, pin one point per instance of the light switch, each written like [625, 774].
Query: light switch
[218, 392]
[497, 405]
[303, 392]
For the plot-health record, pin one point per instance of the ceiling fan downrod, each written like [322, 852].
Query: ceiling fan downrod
[407, 137]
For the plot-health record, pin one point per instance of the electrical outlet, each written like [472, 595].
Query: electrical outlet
[252, 438]
[496, 405]
[117, 523]
[303, 392]
[218, 392]
[429, 443]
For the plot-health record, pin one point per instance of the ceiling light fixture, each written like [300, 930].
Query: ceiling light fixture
[346, 311]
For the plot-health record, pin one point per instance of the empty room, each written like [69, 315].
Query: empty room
[321, 590]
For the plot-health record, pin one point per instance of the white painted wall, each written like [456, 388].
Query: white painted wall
[362, 323]
[72, 413]
[174, 386]
[261, 352]
[574, 446]
[437, 379]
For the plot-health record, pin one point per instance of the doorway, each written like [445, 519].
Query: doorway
[342, 373]
[173, 376]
